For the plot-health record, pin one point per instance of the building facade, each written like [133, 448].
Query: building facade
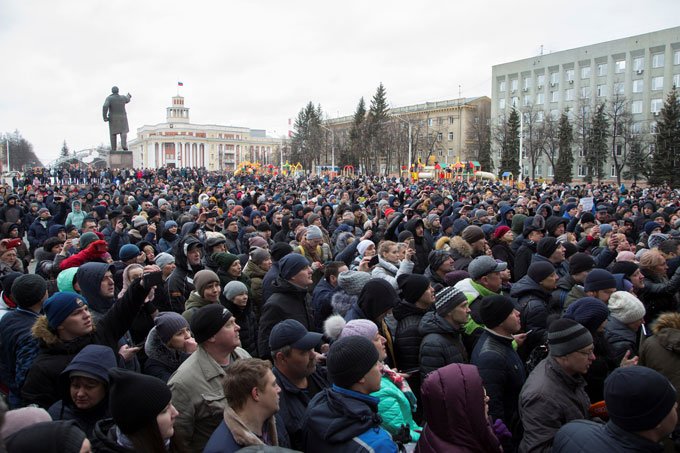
[441, 129]
[637, 71]
[179, 143]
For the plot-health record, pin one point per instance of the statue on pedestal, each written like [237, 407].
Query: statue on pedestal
[114, 113]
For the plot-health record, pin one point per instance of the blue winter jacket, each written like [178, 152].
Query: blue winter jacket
[582, 436]
[341, 421]
[18, 349]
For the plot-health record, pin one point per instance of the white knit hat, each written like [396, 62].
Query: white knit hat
[625, 307]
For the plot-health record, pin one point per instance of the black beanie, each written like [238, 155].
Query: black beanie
[279, 250]
[627, 268]
[638, 398]
[547, 246]
[136, 399]
[495, 309]
[208, 320]
[587, 217]
[580, 262]
[349, 359]
[540, 270]
[46, 436]
[412, 286]
[28, 290]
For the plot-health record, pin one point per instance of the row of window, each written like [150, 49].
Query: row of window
[658, 61]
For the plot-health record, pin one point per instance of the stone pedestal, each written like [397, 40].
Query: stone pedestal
[120, 159]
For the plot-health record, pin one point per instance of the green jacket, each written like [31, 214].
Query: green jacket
[395, 409]
[473, 291]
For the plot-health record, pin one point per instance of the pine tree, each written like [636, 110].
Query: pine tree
[565, 160]
[510, 146]
[377, 120]
[638, 162]
[64, 150]
[308, 139]
[665, 160]
[596, 155]
[357, 135]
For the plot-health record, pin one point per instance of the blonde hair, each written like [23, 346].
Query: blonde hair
[385, 247]
[651, 259]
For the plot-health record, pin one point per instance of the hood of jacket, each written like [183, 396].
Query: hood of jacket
[253, 270]
[405, 309]
[433, 323]
[195, 301]
[544, 206]
[460, 248]
[338, 418]
[342, 302]
[156, 349]
[181, 255]
[93, 359]
[377, 297]
[90, 277]
[525, 286]
[455, 392]
[667, 330]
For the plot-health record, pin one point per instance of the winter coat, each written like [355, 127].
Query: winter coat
[42, 382]
[161, 361]
[106, 438]
[90, 276]
[549, 400]
[583, 436]
[620, 339]
[37, 232]
[181, 281]
[503, 374]
[659, 294]
[339, 420]
[256, 275]
[523, 258]
[168, 242]
[408, 337]
[74, 217]
[321, 303]
[245, 318]
[342, 302]
[502, 251]
[18, 349]
[288, 301]
[232, 434]
[271, 275]
[462, 253]
[395, 409]
[194, 302]
[198, 395]
[453, 407]
[293, 403]
[422, 246]
[561, 269]
[390, 271]
[661, 351]
[532, 303]
[559, 296]
[94, 361]
[441, 345]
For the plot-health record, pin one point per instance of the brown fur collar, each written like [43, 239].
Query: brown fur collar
[665, 321]
[458, 244]
[242, 435]
[41, 330]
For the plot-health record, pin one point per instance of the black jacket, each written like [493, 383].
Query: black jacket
[533, 305]
[288, 301]
[523, 259]
[441, 345]
[245, 318]
[407, 336]
[180, 282]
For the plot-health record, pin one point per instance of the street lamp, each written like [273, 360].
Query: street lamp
[410, 143]
[332, 146]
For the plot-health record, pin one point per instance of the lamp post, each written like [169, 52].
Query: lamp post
[410, 142]
[332, 146]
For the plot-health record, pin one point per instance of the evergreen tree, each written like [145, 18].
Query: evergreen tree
[64, 150]
[596, 154]
[638, 162]
[665, 160]
[20, 152]
[378, 116]
[565, 161]
[308, 138]
[510, 145]
[357, 136]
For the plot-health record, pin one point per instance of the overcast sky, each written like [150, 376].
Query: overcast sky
[255, 63]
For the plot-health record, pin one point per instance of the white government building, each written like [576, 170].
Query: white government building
[178, 143]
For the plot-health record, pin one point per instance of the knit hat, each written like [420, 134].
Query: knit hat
[291, 332]
[650, 226]
[484, 265]
[128, 252]
[404, 236]
[625, 256]
[28, 290]
[35, 437]
[580, 262]
[279, 250]
[363, 245]
[203, 278]
[359, 327]
[598, 279]
[436, 258]
[587, 217]
[314, 232]
[547, 246]
[135, 399]
[472, 234]
[589, 312]
[291, 264]
[18, 419]
[447, 299]
[453, 277]
[656, 239]
[163, 259]
[566, 336]
[7, 281]
[168, 323]
[60, 306]
[66, 278]
[412, 286]
[233, 289]
[352, 282]
[224, 260]
[349, 359]
[638, 398]
[500, 231]
[208, 320]
[257, 241]
[259, 255]
[625, 307]
[495, 309]
[169, 224]
[87, 239]
[540, 270]
[139, 221]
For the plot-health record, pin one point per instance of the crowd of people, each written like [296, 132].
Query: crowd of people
[190, 311]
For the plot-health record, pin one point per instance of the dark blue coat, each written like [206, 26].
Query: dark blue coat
[582, 436]
[18, 349]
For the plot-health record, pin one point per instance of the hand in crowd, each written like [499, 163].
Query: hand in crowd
[127, 352]
[520, 338]
[628, 362]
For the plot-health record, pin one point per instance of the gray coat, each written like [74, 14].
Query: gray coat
[550, 399]
[620, 338]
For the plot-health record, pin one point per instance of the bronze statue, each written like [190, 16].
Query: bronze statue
[114, 113]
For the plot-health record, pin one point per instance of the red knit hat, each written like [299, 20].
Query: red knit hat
[500, 231]
[388, 211]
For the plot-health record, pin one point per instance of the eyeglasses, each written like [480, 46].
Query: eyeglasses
[588, 352]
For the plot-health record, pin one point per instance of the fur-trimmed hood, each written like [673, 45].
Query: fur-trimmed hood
[50, 340]
[666, 321]
[460, 248]
[342, 302]
[443, 243]
[156, 349]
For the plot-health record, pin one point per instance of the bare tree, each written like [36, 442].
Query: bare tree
[551, 140]
[533, 135]
[620, 121]
[479, 136]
